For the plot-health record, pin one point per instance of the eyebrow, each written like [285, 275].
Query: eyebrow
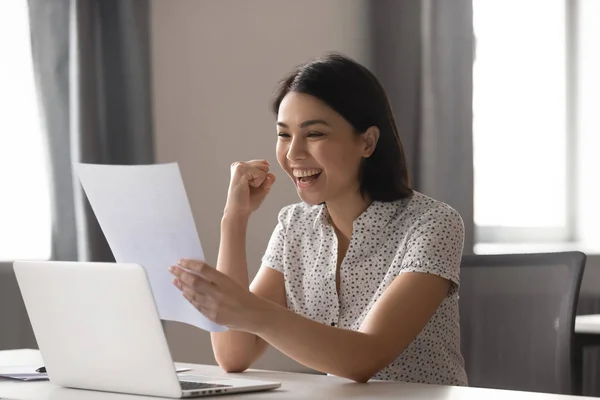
[306, 123]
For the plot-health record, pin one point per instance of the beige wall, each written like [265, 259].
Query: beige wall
[215, 65]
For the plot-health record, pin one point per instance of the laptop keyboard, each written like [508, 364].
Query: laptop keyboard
[188, 385]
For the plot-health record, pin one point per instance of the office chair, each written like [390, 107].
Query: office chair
[517, 316]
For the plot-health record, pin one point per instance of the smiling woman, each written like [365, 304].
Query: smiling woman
[361, 278]
[351, 102]
[322, 155]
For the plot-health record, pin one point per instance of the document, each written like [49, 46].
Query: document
[29, 373]
[146, 218]
[23, 373]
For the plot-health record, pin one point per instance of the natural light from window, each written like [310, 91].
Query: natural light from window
[25, 221]
[519, 113]
[589, 124]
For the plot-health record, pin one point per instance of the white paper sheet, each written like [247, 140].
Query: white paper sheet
[23, 373]
[28, 373]
[145, 215]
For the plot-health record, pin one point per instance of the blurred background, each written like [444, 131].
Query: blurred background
[496, 102]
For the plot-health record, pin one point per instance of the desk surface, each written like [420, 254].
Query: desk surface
[294, 386]
[587, 324]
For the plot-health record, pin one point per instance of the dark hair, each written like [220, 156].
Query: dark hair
[356, 94]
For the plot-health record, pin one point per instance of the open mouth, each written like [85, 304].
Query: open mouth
[307, 177]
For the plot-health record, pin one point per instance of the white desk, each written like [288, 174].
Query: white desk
[589, 324]
[294, 386]
[587, 334]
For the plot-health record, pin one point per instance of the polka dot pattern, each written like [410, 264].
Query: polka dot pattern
[416, 234]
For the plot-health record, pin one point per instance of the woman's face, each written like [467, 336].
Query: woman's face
[319, 149]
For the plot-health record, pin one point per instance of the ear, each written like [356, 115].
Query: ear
[370, 138]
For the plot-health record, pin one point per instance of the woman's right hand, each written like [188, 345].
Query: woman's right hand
[250, 183]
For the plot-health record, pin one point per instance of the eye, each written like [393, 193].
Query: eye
[283, 135]
[315, 134]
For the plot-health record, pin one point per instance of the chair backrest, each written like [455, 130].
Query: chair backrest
[517, 314]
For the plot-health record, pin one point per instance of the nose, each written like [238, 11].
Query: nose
[297, 149]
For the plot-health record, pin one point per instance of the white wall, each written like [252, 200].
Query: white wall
[215, 65]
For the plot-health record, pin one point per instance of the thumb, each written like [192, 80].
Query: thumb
[269, 181]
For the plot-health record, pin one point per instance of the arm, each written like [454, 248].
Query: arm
[236, 350]
[428, 270]
[390, 326]
[396, 319]
[426, 275]
[250, 183]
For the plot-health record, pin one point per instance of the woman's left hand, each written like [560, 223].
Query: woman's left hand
[218, 297]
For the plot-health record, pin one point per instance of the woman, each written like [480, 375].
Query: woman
[360, 279]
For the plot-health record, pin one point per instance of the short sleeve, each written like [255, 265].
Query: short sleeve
[435, 245]
[273, 256]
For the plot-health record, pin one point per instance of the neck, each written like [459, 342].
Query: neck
[344, 211]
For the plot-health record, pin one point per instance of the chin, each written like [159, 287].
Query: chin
[311, 199]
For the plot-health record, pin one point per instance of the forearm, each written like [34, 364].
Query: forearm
[345, 353]
[234, 350]
[232, 259]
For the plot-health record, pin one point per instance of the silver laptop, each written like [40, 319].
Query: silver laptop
[98, 328]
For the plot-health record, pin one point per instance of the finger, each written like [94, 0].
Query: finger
[260, 161]
[204, 270]
[199, 298]
[178, 284]
[196, 283]
[188, 265]
[189, 297]
[263, 165]
[185, 276]
[201, 304]
[196, 301]
[241, 166]
[255, 177]
[269, 181]
[179, 271]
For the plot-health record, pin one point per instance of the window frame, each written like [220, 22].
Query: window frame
[491, 235]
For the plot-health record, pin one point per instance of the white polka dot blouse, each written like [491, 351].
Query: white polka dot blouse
[415, 234]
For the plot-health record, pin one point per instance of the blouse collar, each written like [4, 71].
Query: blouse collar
[376, 216]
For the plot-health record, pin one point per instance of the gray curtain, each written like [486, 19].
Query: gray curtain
[422, 51]
[92, 66]
[15, 331]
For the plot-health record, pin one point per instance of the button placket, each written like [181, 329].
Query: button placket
[331, 277]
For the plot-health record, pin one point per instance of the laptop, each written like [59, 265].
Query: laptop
[98, 328]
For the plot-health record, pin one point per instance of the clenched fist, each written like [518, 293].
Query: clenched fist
[249, 185]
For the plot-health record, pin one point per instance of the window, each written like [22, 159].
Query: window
[533, 120]
[24, 201]
[588, 123]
